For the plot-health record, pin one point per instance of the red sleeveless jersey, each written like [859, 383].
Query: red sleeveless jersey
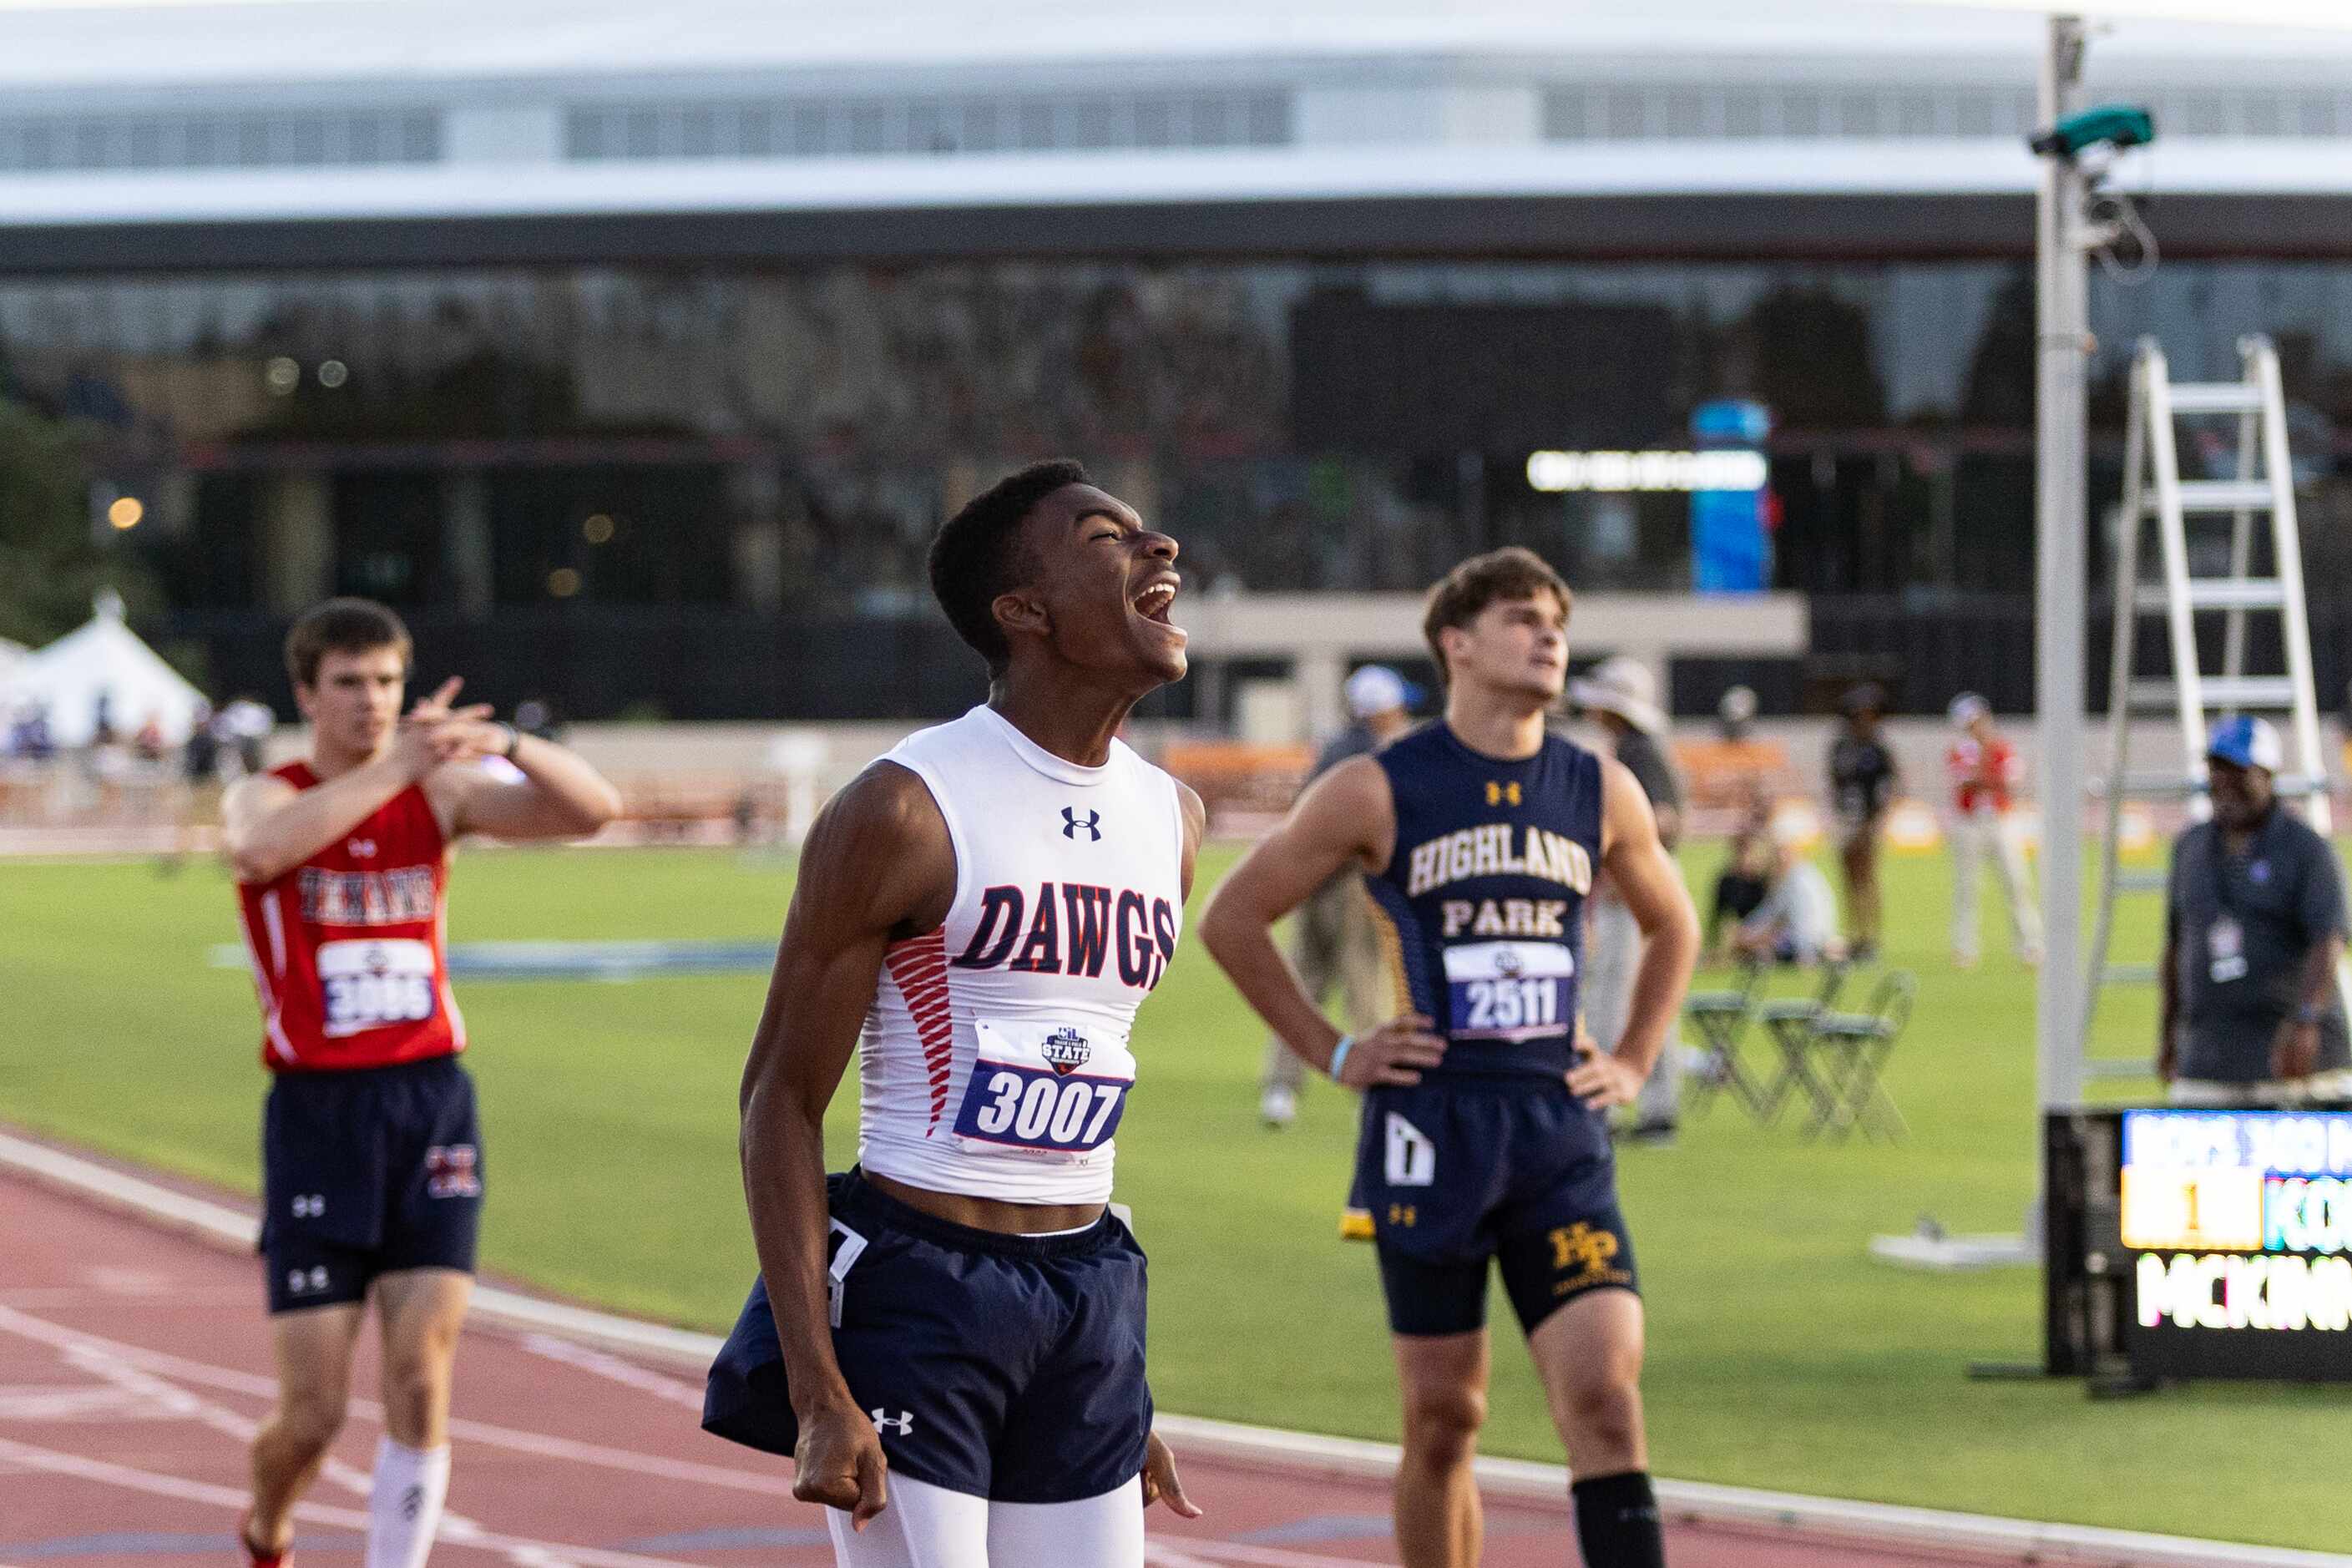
[348, 948]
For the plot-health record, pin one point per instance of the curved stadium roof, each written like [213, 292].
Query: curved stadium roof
[307, 111]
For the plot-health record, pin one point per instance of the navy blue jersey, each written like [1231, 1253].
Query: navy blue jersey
[1483, 896]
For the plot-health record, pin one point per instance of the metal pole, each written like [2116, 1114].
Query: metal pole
[2063, 336]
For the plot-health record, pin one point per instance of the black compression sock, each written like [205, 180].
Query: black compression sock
[1617, 1521]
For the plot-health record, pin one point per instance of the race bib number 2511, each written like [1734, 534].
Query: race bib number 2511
[1509, 990]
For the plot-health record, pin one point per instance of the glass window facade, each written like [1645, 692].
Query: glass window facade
[783, 439]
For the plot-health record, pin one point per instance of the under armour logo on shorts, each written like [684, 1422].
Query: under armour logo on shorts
[453, 1171]
[1071, 824]
[902, 1424]
[412, 1501]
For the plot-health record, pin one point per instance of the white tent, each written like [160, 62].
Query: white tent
[103, 657]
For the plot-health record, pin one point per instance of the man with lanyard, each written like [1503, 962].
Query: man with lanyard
[372, 1165]
[1332, 944]
[2254, 931]
[1622, 695]
[1485, 1139]
[1863, 777]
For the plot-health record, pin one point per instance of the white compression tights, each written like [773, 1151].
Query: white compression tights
[929, 1527]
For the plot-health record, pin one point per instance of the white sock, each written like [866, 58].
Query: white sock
[404, 1505]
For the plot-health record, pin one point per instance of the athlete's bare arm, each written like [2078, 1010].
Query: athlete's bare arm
[878, 866]
[1650, 888]
[559, 796]
[1196, 826]
[268, 826]
[1346, 819]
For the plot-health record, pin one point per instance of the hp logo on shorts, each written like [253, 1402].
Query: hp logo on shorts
[902, 1424]
[1073, 825]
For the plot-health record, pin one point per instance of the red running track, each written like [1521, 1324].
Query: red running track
[134, 1364]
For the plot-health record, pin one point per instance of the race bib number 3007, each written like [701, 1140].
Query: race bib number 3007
[370, 983]
[1509, 990]
[1049, 1088]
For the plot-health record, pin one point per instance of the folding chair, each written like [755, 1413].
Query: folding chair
[1856, 1045]
[1790, 1020]
[1722, 1018]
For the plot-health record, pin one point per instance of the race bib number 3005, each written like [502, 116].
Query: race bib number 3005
[370, 983]
[1049, 1088]
[1509, 990]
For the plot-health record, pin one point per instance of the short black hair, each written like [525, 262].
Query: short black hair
[975, 555]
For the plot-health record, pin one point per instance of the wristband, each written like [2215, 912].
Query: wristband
[1340, 1056]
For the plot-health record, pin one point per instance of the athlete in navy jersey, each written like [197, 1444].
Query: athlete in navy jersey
[1484, 1142]
[1484, 895]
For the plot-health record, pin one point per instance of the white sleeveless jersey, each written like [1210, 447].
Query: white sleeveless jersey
[995, 1060]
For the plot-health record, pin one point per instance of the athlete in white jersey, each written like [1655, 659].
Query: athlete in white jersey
[981, 911]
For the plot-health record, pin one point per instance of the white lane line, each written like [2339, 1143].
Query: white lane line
[231, 1380]
[51, 1296]
[108, 1473]
[1162, 1555]
[1237, 1552]
[516, 1548]
[47, 1402]
[625, 1373]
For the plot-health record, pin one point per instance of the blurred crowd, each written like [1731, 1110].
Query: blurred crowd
[130, 771]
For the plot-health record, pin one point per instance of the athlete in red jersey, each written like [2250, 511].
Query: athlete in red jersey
[372, 1163]
[1984, 769]
[347, 947]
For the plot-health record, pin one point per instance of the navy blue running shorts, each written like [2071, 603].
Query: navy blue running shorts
[1452, 1175]
[364, 1172]
[1000, 1366]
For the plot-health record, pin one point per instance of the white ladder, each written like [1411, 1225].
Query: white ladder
[2154, 490]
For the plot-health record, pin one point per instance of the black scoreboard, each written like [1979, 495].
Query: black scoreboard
[2237, 1225]
[2199, 1244]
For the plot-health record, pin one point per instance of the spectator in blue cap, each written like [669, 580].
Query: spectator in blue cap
[2254, 931]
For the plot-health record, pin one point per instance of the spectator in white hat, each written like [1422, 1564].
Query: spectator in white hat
[1984, 771]
[1333, 944]
[1622, 695]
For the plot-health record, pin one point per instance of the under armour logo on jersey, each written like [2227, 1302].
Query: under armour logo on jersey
[1072, 825]
[1498, 794]
[902, 1424]
[360, 849]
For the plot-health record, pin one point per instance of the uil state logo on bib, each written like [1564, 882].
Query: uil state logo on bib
[1066, 1051]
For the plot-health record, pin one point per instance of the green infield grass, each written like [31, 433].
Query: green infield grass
[1781, 1355]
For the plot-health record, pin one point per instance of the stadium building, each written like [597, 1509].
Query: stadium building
[635, 355]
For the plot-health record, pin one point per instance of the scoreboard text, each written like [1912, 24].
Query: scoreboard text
[2241, 1226]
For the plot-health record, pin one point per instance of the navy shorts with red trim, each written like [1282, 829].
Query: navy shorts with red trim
[367, 1172]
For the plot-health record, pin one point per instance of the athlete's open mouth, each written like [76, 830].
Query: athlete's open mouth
[1153, 602]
